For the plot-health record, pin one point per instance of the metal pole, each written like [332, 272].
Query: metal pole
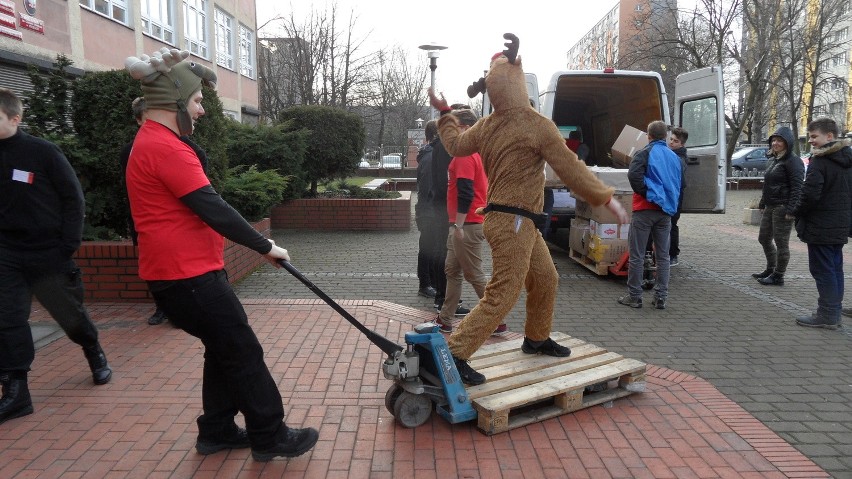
[433, 65]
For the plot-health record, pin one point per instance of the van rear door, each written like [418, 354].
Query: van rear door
[699, 108]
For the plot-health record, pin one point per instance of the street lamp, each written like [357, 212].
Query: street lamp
[433, 51]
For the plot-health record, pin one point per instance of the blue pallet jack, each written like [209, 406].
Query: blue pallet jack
[423, 372]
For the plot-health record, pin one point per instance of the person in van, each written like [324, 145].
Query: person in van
[782, 188]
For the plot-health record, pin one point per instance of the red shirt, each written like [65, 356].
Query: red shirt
[468, 167]
[173, 241]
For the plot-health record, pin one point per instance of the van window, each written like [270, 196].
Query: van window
[699, 117]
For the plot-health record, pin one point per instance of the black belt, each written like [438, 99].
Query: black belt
[537, 218]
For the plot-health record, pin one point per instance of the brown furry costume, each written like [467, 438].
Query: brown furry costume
[515, 142]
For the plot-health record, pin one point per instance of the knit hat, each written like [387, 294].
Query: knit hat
[168, 81]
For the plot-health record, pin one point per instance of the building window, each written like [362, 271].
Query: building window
[224, 39]
[195, 28]
[114, 9]
[158, 19]
[839, 60]
[841, 35]
[246, 52]
[820, 110]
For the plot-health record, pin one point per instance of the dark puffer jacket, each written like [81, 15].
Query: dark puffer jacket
[782, 182]
[825, 210]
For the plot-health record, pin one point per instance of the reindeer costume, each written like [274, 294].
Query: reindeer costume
[515, 142]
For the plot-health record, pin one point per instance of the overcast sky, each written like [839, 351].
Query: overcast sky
[472, 31]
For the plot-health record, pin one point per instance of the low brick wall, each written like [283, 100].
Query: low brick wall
[344, 214]
[111, 272]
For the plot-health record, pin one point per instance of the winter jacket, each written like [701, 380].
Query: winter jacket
[656, 176]
[423, 207]
[782, 182]
[824, 213]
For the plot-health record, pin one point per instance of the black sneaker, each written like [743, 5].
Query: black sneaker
[468, 375]
[427, 292]
[548, 347]
[296, 442]
[237, 440]
[159, 317]
[658, 303]
[673, 261]
[815, 321]
[101, 372]
[628, 300]
[462, 311]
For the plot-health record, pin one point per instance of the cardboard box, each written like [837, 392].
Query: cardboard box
[609, 230]
[615, 177]
[627, 144]
[600, 213]
[578, 236]
[606, 250]
[563, 199]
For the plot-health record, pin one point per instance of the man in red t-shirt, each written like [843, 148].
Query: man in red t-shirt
[466, 190]
[181, 221]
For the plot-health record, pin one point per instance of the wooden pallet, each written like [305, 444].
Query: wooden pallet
[601, 269]
[523, 389]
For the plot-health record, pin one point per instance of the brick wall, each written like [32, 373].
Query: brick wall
[344, 214]
[111, 273]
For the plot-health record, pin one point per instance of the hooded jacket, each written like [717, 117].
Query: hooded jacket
[782, 182]
[824, 213]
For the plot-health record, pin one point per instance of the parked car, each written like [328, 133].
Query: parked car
[750, 158]
[392, 161]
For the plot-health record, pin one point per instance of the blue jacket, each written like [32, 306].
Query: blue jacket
[656, 174]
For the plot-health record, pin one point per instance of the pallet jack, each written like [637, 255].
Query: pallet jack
[423, 372]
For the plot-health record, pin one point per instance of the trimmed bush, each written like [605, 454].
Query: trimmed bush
[251, 192]
[270, 148]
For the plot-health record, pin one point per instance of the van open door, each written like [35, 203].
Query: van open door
[532, 93]
[699, 108]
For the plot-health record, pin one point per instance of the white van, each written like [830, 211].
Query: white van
[391, 162]
[599, 103]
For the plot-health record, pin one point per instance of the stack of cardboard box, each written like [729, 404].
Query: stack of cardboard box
[595, 232]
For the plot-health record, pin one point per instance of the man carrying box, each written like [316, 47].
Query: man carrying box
[656, 177]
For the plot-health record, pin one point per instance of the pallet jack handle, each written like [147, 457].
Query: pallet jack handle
[386, 345]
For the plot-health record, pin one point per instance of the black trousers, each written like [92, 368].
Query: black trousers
[57, 283]
[236, 377]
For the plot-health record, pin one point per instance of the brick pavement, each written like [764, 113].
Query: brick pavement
[734, 383]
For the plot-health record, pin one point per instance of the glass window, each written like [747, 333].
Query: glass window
[195, 27]
[224, 39]
[246, 52]
[158, 19]
[700, 118]
[114, 9]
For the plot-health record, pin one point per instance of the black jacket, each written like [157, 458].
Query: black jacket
[782, 182]
[824, 213]
[423, 207]
[41, 201]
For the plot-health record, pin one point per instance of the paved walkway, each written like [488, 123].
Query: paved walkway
[735, 389]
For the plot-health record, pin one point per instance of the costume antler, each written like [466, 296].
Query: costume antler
[476, 88]
[512, 45]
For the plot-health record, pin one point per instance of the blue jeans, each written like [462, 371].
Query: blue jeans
[57, 283]
[649, 224]
[235, 375]
[825, 262]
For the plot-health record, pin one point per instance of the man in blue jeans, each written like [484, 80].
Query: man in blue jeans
[41, 226]
[656, 176]
[823, 218]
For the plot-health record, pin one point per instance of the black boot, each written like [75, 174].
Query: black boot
[764, 274]
[774, 279]
[101, 372]
[16, 401]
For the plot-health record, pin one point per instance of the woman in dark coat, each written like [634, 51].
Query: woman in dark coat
[782, 187]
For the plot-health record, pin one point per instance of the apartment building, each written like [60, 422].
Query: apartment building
[99, 34]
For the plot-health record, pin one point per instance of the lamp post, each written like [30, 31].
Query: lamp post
[433, 51]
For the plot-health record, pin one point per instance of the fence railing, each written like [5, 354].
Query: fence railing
[390, 156]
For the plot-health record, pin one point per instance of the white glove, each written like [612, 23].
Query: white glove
[275, 254]
[615, 208]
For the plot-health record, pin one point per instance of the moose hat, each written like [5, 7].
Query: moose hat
[169, 80]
